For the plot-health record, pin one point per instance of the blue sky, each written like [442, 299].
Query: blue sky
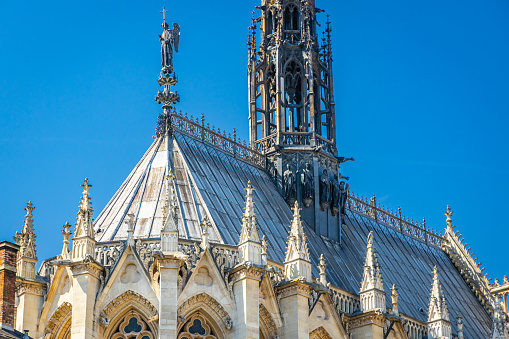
[421, 95]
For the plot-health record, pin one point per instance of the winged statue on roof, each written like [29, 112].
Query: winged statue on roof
[169, 41]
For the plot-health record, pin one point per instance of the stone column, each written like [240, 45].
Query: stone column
[295, 308]
[30, 301]
[85, 284]
[246, 282]
[168, 287]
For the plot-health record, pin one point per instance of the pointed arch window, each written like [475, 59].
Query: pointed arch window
[132, 326]
[197, 327]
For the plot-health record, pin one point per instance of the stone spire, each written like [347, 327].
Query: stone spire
[27, 256]
[499, 328]
[322, 266]
[169, 230]
[297, 261]
[372, 291]
[394, 298]
[439, 325]
[250, 247]
[84, 241]
[66, 232]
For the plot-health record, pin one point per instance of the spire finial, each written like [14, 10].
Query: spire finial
[27, 258]
[265, 247]
[130, 228]
[438, 314]
[394, 297]
[169, 40]
[448, 214]
[66, 232]
[322, 266]
[297, 261]
[250, 248]
[205, 224]
[164, 14]
[372, 283]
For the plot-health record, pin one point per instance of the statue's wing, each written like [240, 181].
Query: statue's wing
[176, 36]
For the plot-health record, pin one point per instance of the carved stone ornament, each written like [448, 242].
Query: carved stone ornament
[127, 298]
[267, 319]
[319, 333]
[204, 299]
[289, 185]
[24, 286]
[307, 180]
[325, 190]
[60, 315]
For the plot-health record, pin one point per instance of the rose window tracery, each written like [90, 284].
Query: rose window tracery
[133, 326]
[197, 328]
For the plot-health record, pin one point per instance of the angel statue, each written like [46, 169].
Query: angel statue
[169, 40]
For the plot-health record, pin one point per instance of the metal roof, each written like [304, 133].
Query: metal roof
[211, 182]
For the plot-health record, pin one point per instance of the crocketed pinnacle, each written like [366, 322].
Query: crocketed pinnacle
[297, 246]
[437, 305]
[26, 239]
[170, 208]
[249, 230]
[84, 227]
[372, 277]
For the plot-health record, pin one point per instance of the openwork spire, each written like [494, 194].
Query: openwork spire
[372, 286]
[27, 256]
[250, 248]
[84, 241]
[297, 262]
[169, 230]
[439, 325]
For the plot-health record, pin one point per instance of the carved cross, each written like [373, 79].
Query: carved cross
[164, 14]
[86, 185]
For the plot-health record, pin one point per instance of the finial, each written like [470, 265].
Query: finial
[205, 225]
[265, 247]
[322, 266]
[86, 186]
[296, 209]
[448, 214]
[130, 228]
[394, 297]
[66, 232]
[459, 325]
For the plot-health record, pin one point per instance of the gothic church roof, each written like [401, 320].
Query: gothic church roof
[212, 182]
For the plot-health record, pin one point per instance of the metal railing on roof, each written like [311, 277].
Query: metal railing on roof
[232, 146]
[395, 220]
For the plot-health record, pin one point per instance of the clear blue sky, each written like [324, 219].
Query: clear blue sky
[421, 91]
